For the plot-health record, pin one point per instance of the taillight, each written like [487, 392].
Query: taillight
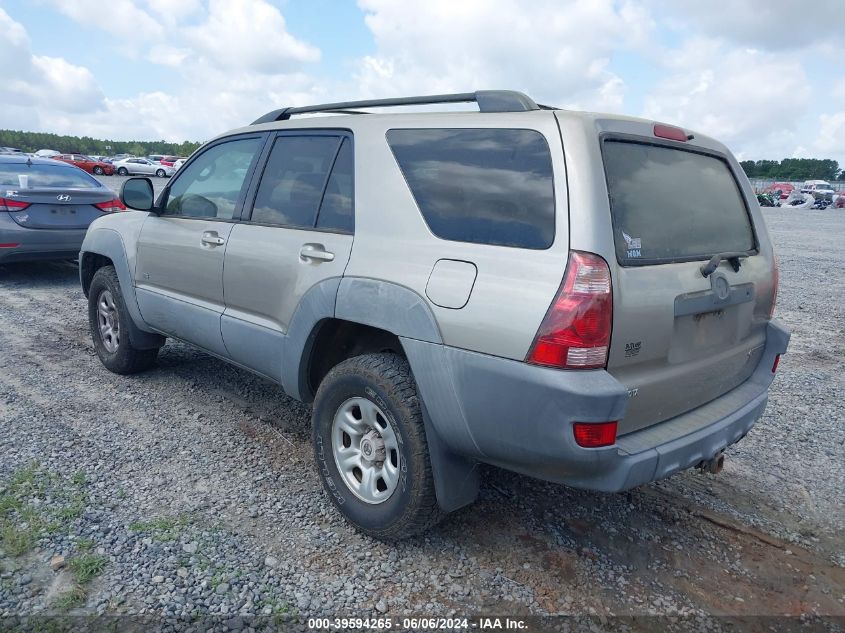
[112, 206]
[595, 434]
[575, 334]
[776, 282]
[776, 363]
[671, 132]
[7, 204]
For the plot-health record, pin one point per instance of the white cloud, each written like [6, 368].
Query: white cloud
[35, 85]
[785, 24]
[720, 92]
[248, 36]
[122, 18]
[557, 51]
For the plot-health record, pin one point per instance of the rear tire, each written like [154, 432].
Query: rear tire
[122, 171]
[401, 501]
[161, 173]
[98, 170]
[108, 320]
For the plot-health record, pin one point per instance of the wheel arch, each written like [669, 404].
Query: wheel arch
[105, 247]
[337, 316]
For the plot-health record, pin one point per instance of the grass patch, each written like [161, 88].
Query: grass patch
[161, 528]
[84, 544]
[35, 503]
[71, 599]
[86, 567]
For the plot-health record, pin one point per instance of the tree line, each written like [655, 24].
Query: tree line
[793, 169]
[34, 141]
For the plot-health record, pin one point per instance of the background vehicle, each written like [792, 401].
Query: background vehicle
[133, 166]
[178, 164]
[46, 153]
[470, 318]
[169, 160]
[155, 158]
[780, 189]
[46, 207]
[818, 188]
[10, 150]
[87, 163]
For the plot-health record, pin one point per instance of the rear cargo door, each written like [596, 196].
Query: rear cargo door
[681, 339]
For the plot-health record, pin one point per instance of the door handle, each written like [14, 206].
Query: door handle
[316, 252]
[210, 238]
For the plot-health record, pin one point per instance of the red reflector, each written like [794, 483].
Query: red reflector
[575, 334]
[594, 434]
[670, 132]
[776, 363]
[7, 204]
[111, 206]
[9, 245]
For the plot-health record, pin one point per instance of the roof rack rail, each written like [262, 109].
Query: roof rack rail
[487, 100]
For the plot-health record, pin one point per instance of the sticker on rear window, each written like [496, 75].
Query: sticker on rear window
[633, 244]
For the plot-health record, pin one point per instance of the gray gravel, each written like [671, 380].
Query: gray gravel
[196, 484]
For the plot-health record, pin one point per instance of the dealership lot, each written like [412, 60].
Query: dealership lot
[195, 484]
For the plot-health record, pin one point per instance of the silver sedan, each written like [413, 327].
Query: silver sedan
[142, 166]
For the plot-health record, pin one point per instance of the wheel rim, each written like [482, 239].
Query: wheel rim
[366, 450]
[107, 319]
[160, 173]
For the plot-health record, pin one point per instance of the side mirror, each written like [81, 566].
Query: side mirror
[138, 193]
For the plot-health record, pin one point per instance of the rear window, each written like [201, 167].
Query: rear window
[40, 176]
[673, 205]
[485, 186]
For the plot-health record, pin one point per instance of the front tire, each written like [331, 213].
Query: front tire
[161, 173]
[371, 450]
[108, 320]
[122, 171]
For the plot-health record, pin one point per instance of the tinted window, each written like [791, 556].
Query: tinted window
[210, 186]
[670, 204]
[488, 186]
[40, 176]
[292, 184]
[336, 212]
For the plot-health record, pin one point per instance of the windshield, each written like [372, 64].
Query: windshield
[37, 176]
[673, 205]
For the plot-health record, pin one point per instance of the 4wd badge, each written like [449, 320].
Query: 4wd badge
[632, 349]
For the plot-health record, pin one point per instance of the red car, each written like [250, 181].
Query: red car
[168, 161]
[87, 163]
[784, 187]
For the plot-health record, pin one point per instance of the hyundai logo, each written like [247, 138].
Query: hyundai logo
[63, 197]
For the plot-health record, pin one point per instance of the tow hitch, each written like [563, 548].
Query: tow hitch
[714, 465]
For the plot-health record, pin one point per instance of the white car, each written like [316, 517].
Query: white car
[142, 166]
[179, 163]
[820, 187]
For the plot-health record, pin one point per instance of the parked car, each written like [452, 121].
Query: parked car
[470, 318]
[818, 188]
[10, 150]
[781, 189]
[155, 158]
[132, 166]
[46, 153]
[87, 163]
[178, 164]
[46, 207]
[169, 160]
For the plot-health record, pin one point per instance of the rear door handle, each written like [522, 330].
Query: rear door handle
[210, 238]
[315, 252]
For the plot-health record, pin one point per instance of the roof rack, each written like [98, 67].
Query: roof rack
[487, 100]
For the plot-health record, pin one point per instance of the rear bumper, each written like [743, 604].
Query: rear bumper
[22, 244]
[520, 417]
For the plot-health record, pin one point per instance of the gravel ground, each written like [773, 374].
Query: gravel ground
[191, 489]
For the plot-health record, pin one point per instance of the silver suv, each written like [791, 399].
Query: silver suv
[580, 297]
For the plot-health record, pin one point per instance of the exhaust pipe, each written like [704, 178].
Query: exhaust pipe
[714, 466]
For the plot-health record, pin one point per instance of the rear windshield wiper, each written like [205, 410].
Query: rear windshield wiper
[732, 257]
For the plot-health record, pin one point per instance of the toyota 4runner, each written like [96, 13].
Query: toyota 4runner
[579, 297]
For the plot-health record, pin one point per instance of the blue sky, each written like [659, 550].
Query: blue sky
[189, 69]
